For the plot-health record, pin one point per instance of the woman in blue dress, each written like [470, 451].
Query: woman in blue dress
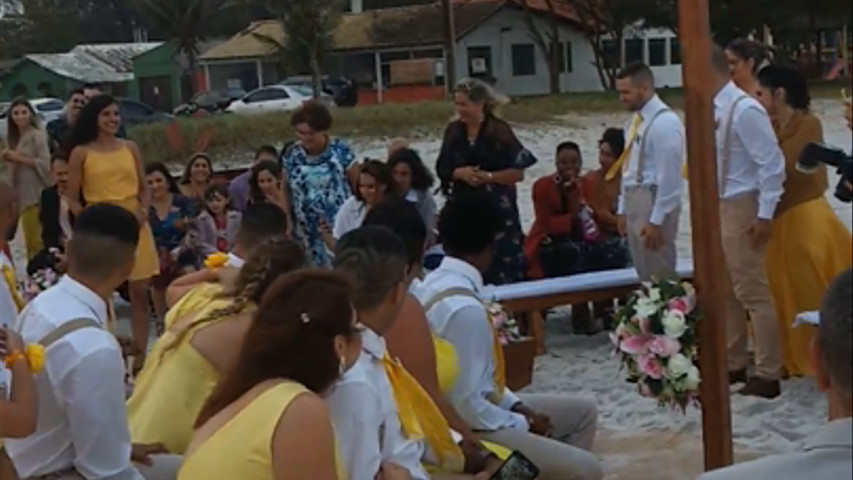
[316, 170]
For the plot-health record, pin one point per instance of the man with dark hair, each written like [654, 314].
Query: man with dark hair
[82, 430]
[751, 173]
[59, 128]
[403, 219]
[828, 455]
[238, 188]
[652, 182]
[555, 432]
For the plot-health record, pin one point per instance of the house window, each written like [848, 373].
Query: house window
[657, 52]
[480, 62]
[566, 61]
[523, 60]
[674, 51]
[610, 52]
[634, 50]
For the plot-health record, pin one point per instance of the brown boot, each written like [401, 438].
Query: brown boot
[737, 376]
[761, 387]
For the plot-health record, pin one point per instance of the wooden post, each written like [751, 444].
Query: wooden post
[449, 45]
[707, 241]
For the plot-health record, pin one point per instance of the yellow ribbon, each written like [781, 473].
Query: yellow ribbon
[12, 286]
[622, 162]
[420, 418]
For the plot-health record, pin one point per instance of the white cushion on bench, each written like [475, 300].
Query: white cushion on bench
[585, 282]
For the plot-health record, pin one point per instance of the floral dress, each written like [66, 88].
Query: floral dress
[496, 148]
[318, 187]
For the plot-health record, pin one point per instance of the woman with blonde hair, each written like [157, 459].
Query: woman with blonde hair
[28, 159]
[481, 152]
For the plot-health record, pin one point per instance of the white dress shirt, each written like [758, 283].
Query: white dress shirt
[234, 261]
[350, 217]
[365, 417]
[82, 421]
[757, 164]
[663, 158]
[463, 321]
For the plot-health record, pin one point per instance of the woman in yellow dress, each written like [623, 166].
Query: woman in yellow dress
[266, 419]
[204, 333]
[810, 246]
[106, 169]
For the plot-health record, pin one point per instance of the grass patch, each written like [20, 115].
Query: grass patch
[236, 137]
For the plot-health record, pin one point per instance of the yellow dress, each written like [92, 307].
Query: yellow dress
[241, 448]
[112, 178]
[809, 246]
[171, 389]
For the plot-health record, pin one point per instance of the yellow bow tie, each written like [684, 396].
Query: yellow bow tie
[420, 418]
[621, 163]
[12, 285]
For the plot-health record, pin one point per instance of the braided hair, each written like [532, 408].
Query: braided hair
[273, 258]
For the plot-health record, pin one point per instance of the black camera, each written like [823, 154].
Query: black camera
[816, 154]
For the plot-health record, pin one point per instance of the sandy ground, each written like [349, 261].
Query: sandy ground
[636, 436]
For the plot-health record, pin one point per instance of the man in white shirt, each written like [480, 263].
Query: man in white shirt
[652, 180]
[82, 423]
[554, 431]
[751, 172]
[828, 455]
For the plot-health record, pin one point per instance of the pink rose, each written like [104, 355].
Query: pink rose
[663, 346]
[650, 366]
[636, 345]
[679, 304]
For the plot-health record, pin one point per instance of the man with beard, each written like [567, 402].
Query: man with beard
[58, 129]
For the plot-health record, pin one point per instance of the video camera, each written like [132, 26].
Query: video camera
[816, 154]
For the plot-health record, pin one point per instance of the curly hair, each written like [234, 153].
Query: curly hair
[422, 179]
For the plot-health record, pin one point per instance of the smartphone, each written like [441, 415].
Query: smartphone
[517, 467]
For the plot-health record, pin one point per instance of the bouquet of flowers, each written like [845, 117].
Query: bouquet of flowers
[38, 282]
[656, 338]
[506, 327]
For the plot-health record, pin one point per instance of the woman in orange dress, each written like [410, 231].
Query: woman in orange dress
[106, 169]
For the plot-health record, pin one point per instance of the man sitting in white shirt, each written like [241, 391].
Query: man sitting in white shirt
[82, 427]
[828, 455]
[751, 171]
[554, 431]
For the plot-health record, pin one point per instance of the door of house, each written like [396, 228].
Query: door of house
[156, 92]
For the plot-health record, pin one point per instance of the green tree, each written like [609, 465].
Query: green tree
[46, 26]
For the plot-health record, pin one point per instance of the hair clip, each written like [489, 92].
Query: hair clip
[305, 318]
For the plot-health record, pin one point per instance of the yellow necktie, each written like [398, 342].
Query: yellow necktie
[12, 286]
[420, 418]
[622, 162]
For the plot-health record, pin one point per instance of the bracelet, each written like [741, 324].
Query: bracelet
[13, 357]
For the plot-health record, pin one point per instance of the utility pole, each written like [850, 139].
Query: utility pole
[449, 45]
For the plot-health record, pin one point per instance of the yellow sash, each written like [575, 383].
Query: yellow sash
[12, 286]
[420, 418]
[622, 162]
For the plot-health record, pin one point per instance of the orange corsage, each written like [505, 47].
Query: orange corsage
[33, 354]
[216, 260]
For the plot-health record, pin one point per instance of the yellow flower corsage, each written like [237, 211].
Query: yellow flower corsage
[33, 354]
[216, 260]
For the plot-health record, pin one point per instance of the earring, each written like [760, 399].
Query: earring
[342, 367]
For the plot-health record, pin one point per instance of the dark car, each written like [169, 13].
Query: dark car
[210, 101]
[343, 91]
[137, 113]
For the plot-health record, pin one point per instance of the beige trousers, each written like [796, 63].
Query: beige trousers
[164, 467]
[566, 455]
[748, 291]
[639, 202]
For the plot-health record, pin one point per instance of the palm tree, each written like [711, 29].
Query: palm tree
[184, 22]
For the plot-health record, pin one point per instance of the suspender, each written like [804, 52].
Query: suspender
[451, 292]
[66, 328]
[727, 146]
[641, 161]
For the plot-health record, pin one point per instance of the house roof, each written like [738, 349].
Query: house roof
[97, 63]
[409, 26]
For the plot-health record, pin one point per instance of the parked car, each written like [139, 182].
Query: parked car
[47, 109]
[343, 91]
[275, 98]
[210, 101]
[135, 113]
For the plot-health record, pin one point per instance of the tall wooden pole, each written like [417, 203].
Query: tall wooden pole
[449, 45]
[708, 258]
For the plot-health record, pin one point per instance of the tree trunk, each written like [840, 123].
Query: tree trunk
[449, 45]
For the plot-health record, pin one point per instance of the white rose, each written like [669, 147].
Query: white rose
[693, 379]
[646, 307]
[678, 366]
[674, 324]
[654, 294]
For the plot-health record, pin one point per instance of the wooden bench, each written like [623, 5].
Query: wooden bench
[533, 298]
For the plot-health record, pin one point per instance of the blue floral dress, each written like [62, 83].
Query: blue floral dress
[318, 188]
